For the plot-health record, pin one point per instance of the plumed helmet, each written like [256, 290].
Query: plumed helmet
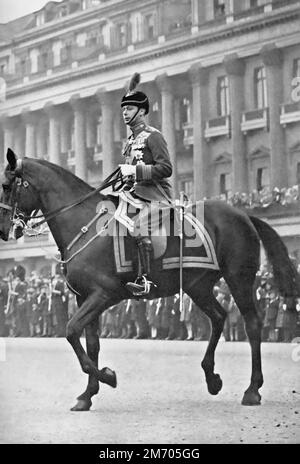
[135, 97]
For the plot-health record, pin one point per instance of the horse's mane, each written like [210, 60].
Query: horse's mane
[60, 171]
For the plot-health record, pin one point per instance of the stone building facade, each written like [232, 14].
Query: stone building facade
[223, 77]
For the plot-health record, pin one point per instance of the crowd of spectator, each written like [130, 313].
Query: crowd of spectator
[41, 307]
[34, 306]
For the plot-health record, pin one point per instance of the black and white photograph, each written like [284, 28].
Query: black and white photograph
[149, 225]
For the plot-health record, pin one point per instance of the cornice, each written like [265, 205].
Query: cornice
[169, 47]
[77, 19]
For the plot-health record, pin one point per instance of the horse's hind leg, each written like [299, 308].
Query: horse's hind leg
[92, 347]
[242, 290]
[210, 306]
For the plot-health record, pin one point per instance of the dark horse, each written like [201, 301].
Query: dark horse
[32, 184]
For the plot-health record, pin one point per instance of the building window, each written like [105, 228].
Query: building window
[260, 88]
[219, 8]
[66, 53]
[224, 183]
[296, 67]
[187, 186]
[149, 23]
[99, 130]
[40, 18]
[44, 61]
[2, 69]
[262, 178]
[23, 66]
[186, 111]
[223, 96]
[253, 3]
[63, 11]
[121, 31]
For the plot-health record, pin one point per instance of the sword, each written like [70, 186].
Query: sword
[181, 218]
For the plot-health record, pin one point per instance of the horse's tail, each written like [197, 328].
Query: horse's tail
[285, 274]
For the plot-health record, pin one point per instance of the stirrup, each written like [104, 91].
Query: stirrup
[140, 289]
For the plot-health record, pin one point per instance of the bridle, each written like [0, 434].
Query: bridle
[19, 218]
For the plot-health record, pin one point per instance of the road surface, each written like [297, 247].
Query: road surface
[161, 395]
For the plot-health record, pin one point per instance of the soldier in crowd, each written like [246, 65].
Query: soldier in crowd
[271, 315]
[140, 320]
[223, 297]
[233, 317]
[44, 305]
[32, 312]
[290, 319]
[174, 327]
[153, 314]
[3, 301]
[186, 316]
[166, 315]
[20, 289]
[29, 308]
[128, 320]
[124, 318]
[59, 310]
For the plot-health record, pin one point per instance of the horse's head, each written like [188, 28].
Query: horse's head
[18, 198]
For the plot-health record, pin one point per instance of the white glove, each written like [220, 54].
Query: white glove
[128, 169]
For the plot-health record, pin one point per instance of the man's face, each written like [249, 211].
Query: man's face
[129, 111]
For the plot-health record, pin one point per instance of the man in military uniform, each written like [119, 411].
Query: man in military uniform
[146, 166]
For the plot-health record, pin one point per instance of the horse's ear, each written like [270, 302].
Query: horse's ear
[12, 159]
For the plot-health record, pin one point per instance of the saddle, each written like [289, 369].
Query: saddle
[198, 246]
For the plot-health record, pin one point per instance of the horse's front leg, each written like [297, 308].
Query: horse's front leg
[84, 401]
[87, 316]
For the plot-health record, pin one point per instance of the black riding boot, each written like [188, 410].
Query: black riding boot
[142, 286]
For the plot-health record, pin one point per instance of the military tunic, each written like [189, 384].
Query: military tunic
[147, 149]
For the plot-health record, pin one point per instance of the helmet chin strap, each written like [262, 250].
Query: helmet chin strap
[133, 117]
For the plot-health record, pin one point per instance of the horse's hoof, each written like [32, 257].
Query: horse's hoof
[82, 405]
[214, 384]
[106, 375]
[251, 399]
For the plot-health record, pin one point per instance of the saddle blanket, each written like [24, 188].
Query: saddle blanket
[164, 222]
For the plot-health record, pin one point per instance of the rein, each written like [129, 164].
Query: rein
[111, 180]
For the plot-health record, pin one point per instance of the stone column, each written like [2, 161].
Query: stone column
[199, 79]
[8, 125]
[198, 14]
[65, 132]
[109, 162]
[273, 59]
[30, 119]
[53, 113]
[168, 123]
[91, 127]
[79, 137]
[19, 136]
[235, 69]
[41, 137]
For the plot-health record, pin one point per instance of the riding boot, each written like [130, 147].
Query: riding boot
[142, 286]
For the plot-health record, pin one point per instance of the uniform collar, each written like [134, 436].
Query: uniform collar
[138, 128]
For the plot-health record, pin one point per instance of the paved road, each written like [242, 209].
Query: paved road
[161, 395]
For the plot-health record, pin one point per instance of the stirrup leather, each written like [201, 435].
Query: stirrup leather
[142, 286]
